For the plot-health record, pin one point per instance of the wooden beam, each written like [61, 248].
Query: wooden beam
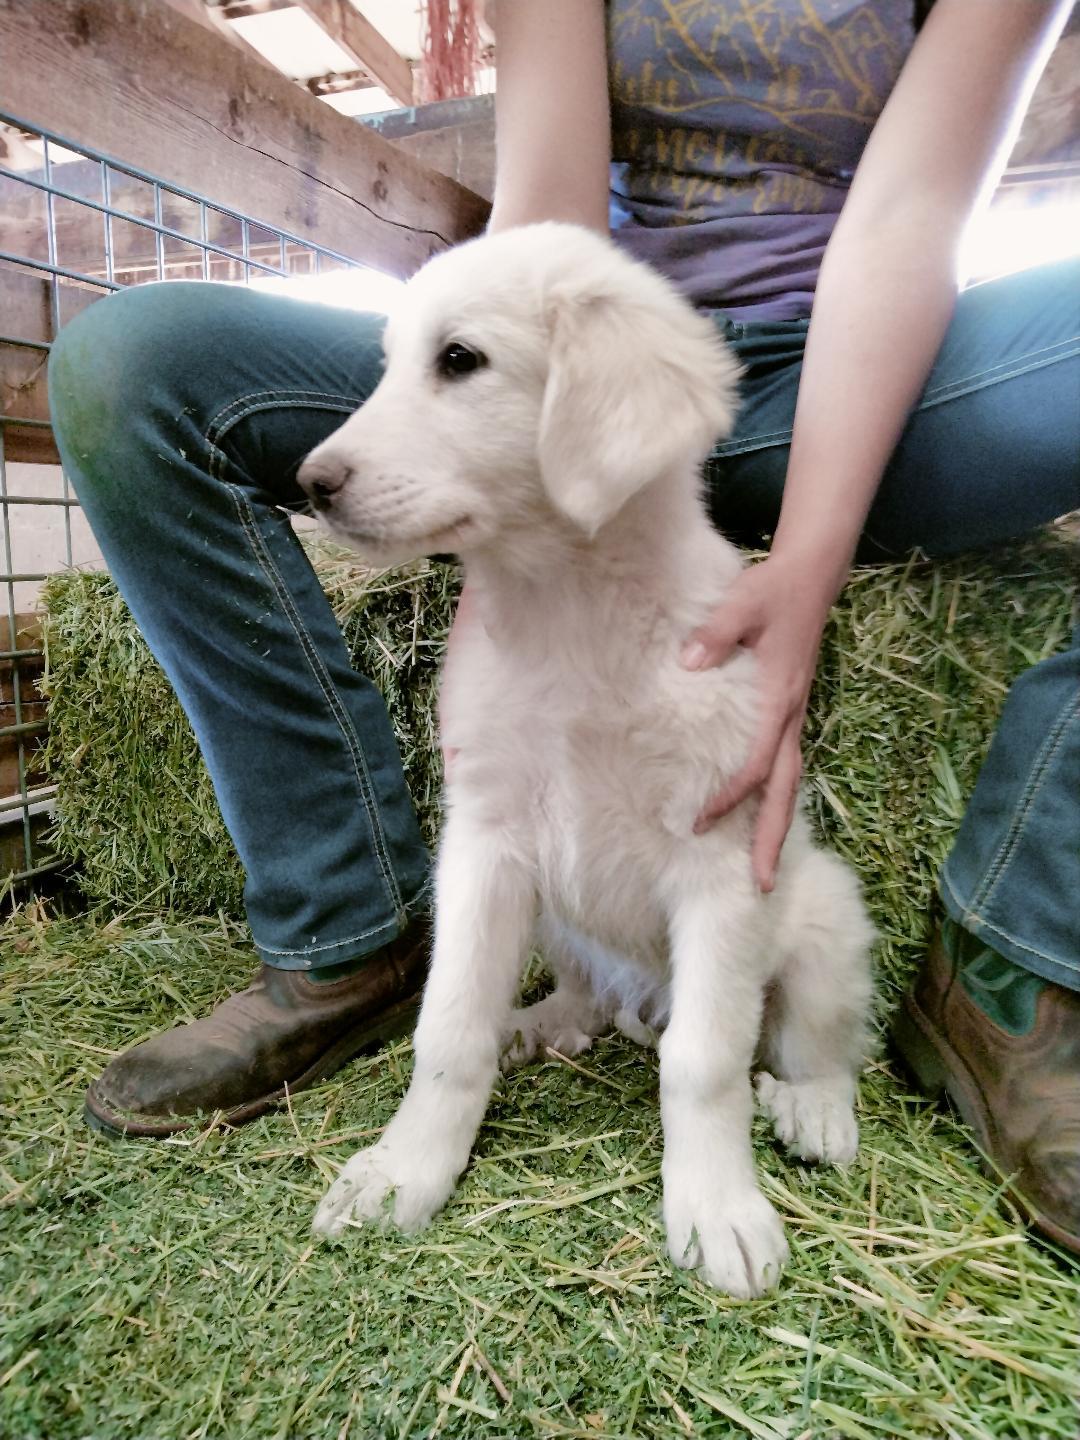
[27, 314]
[151, 88]
[147, 86]
[214, 20]
[454, 136]
[364, 45]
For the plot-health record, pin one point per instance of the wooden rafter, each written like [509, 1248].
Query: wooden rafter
[243, 9]
[337, 82]
[139, 81]
[364, 45]
[213, 19]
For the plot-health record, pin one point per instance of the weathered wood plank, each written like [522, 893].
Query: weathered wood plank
[22, 385]
[25, 313]
[32, 706]
[146, 85]
[31, 445]
[454, 136]
[364, 45]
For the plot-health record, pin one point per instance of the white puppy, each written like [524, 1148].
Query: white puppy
[545, 410]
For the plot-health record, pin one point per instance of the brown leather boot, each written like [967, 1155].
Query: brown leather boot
[1010, 1063]
[283, 1030]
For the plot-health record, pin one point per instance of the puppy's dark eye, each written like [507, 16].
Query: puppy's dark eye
[456, 360]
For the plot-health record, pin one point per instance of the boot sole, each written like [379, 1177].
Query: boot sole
[940, 1071]
[392, 1023]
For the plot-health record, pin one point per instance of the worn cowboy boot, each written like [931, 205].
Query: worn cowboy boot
[284, 1030]
[1004, 1045]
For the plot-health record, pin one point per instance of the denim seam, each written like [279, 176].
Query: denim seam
[971, 916]
[1014, 834]
[218, 459]
[322, 679]
[298, 396]
[1005, 365]
[348, 939]
[954, 390]
[330, 944]
[751, 442]
[972, 383]
[326, 685]
[220, 426]
[336, 407]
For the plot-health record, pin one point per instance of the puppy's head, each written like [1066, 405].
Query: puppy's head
[535, 381]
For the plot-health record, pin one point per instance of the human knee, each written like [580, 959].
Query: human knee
[112, 366]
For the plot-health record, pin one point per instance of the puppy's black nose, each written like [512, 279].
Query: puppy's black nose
[321, 481]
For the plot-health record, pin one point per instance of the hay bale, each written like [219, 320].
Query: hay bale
[136, 813]
[911, 1307]
[915, 665]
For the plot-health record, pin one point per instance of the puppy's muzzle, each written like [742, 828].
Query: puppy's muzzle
[321, 479]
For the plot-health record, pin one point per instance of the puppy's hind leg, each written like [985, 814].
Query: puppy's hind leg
[567, 1020]
[816, 1025]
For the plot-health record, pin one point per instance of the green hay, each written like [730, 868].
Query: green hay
[915, 666]
[175, 1290]
[136, 812]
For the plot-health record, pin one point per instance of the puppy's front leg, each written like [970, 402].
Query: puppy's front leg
[484, 912]
[717, 1219]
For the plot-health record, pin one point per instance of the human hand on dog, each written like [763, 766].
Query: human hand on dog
[778, 610]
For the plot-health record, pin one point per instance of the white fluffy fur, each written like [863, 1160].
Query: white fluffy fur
[566, 474]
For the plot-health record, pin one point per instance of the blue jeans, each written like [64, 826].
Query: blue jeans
[182, 413]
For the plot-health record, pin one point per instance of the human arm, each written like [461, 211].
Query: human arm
[552, 119]
[884, 299]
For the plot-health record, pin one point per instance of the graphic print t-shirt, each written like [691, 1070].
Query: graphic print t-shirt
[736, 128]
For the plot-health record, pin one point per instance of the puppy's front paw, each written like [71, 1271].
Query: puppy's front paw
[815, 1119]
[419, 1186]
[733, 1238]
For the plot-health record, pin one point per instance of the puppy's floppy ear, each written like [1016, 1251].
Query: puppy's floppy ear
[638, 383]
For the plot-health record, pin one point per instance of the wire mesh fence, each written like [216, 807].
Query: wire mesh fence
[76, 225]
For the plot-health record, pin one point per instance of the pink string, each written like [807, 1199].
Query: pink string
[451, 50]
